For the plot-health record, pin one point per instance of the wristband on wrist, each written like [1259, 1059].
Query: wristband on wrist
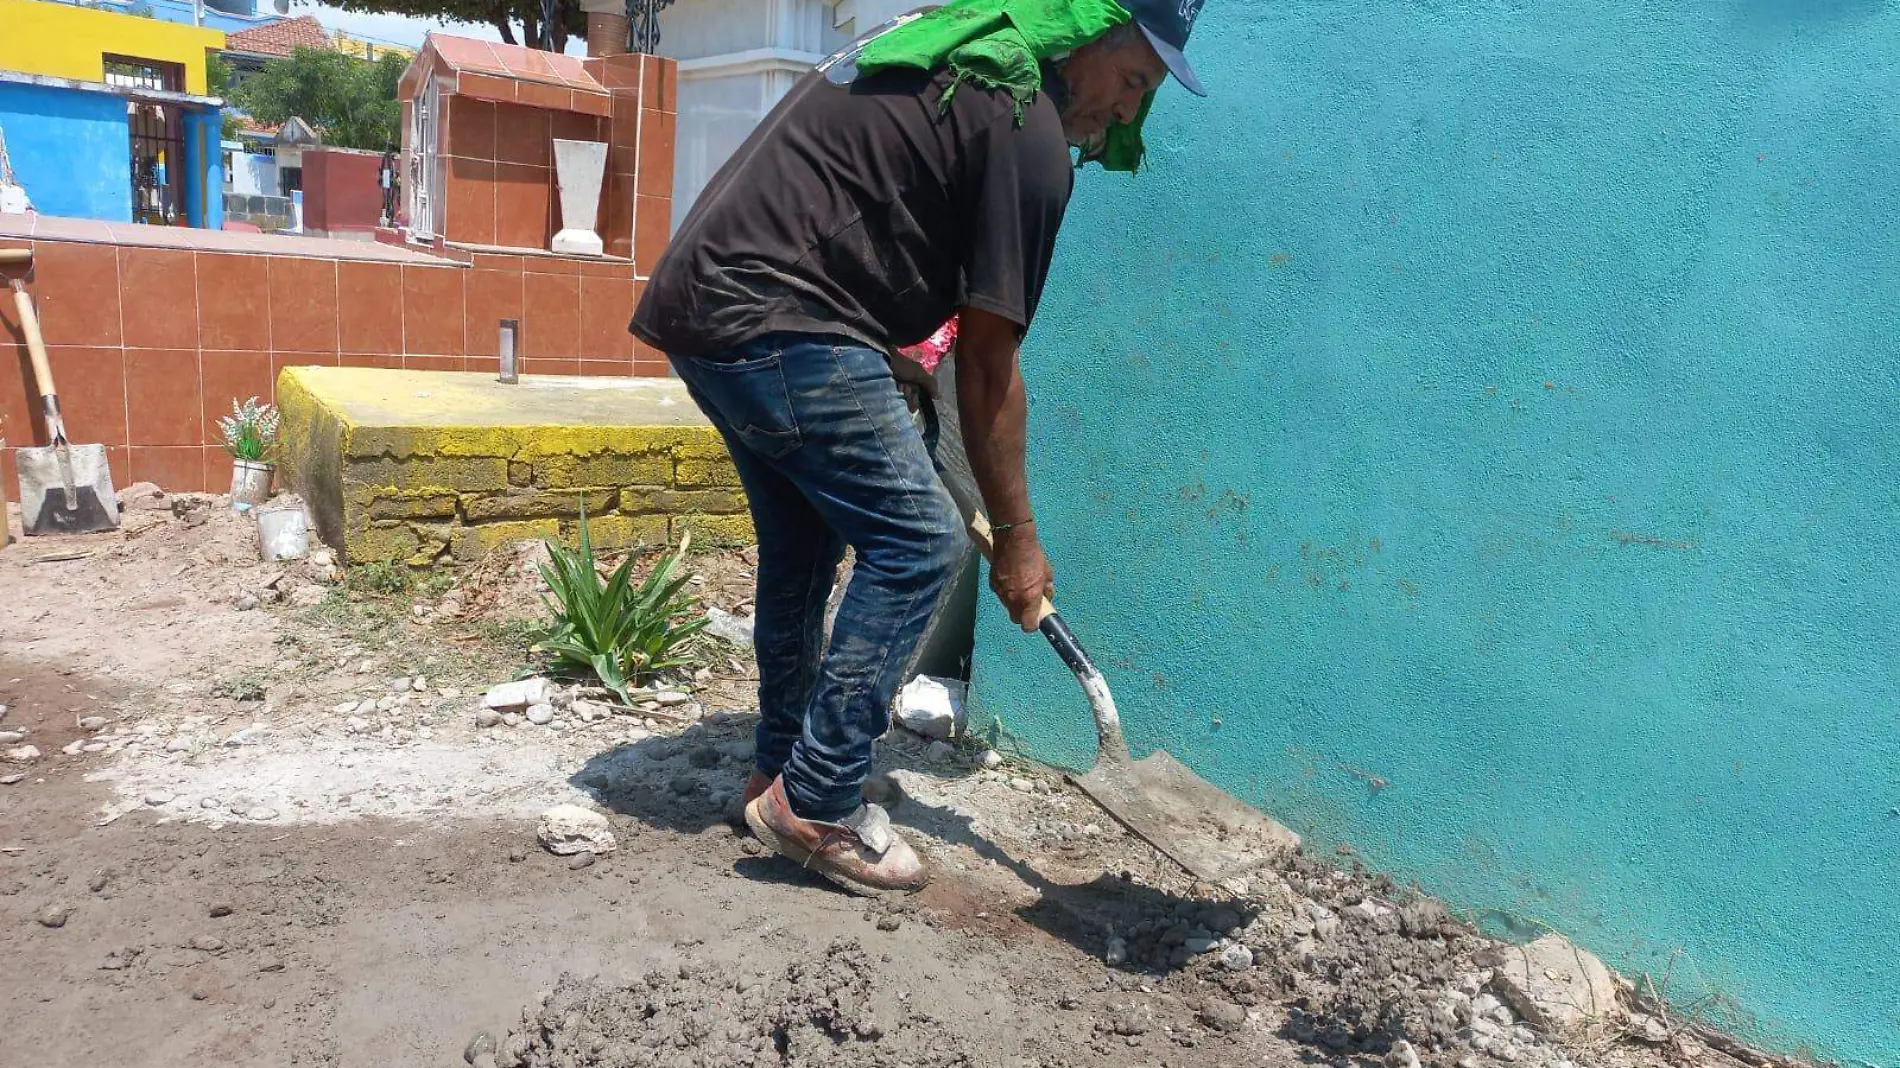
[1004, 528]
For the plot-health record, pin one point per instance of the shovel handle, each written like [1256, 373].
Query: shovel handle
[985, 541]
[42, 368]
[11, 256]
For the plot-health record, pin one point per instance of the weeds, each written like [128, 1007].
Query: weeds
[244, 686]
[617, 632]
[385, 578]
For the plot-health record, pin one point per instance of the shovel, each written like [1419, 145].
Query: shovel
[64, 488]
[1211, 834]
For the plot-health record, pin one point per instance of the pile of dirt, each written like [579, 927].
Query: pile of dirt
[827, 1011]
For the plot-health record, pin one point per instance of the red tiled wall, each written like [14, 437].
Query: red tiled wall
[149, 346]
[341, 190]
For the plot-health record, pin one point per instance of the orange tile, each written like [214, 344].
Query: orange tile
[606, 269]
[652, 228]
[369, 307]
[550, 317]
[486, 262]
[432, 310]
[233, 308]
[599, 105]
[462, 52]
[660, 86]
[607, 368]
[158, 298]
[75, 293]
[523, 206]
[303, 305]
[552, 264]
[434, 363]
[91, 384]
[163, 406]
[569, 366]
[521, 136]
[471, 125]
[19, 400]
[492, 297]
[568, 68]
[542, 95]
[605, 309]
[655, 170]
[489, 87]
[616, 215]
[10, 482]
[622, 159]
[621, 72]
[177, 469]
[573, 126]
[370, 359]
[471, 201]
[231, 377]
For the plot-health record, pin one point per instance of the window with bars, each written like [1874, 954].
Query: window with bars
[158, 163]
[127, 72]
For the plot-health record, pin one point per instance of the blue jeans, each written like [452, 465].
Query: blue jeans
[828, 455]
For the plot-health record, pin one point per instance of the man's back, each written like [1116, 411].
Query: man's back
[870, 212]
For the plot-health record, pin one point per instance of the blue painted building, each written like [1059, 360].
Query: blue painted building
[1495, 401]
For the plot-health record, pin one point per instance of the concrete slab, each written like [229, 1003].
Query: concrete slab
[374, 397]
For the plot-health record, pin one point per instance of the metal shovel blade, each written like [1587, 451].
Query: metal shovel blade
[1204, 829]
[66, 489]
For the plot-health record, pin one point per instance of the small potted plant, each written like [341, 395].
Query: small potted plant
[250, 436]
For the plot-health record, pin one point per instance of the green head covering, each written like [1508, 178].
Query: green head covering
[1001, 44]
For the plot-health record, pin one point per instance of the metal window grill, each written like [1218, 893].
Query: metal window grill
[125, 72]
[643, 25]
[158, 164]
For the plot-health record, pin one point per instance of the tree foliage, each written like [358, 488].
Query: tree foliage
[351, 103]
[517, 21]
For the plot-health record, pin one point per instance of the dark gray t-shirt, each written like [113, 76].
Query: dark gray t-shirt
[868, 212]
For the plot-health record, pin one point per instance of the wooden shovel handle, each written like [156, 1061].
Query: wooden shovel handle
[35, 344]
[9, 256]
[985, 540]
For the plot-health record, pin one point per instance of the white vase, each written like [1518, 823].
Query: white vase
[579, 167]
[250, 484]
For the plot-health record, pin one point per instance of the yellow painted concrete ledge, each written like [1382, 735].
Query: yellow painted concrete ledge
[420, 466]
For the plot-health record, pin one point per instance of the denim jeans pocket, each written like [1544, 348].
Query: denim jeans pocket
[752, 397]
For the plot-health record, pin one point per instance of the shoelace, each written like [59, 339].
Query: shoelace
[833, 834]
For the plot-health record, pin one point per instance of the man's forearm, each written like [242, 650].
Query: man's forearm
[993, 410]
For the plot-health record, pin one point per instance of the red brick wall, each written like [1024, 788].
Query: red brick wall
[340, 190]
[149, 345]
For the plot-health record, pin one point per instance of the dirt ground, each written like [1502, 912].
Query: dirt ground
[263, 827]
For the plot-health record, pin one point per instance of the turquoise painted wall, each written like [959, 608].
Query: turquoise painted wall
[1499, 399]
[71, 150]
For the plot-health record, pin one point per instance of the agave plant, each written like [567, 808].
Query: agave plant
[618, 632]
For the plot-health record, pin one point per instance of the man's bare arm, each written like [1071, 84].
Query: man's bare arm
[993, 410]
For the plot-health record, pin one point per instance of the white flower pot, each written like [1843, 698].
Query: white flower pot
[250, 484]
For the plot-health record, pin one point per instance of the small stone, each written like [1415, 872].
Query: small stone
[1223, 1015]
[519, 695]
[883, 790]
[9, 780]
[569, 829]
[989, 760]
[1648, 1028]
[356, 725]
[93, 747]
[220, 911]
[12, 737]
[511, 719]
[180, 744]
[1198, 946]
[117, 960]
[158, 799]
[449, 693]
[93, 723]
[482, 1045]
[1022, 786]
[1236, 958]
[940, 752]
[517, 855]
[889, 923]
[99, 880]
[579, 861]
[684, 785]
[73, 747]
[1117, 953]
[206, 943]
[210, 802]
[1402, 1056]
[1468, 1061]
[419, 684]
[385, 704]
[487, 717]
[399, 684]
[931, 707]
[271, 964]
[244, 602]
[667, 698]
[343, 709]
[261, 814]
[1131, 1018]
[541, 715]
[54, 916]
[731, 628]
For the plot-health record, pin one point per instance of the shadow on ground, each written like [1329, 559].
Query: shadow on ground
[692, 782]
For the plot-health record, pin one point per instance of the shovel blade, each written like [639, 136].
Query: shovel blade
[49, 506]
[1199, 826]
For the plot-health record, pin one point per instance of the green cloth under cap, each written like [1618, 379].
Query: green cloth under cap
[1001, 44]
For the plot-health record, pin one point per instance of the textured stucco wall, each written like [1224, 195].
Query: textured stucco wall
[1497, 399]
[71, 150]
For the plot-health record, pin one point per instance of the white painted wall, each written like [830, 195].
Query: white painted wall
[738, 58]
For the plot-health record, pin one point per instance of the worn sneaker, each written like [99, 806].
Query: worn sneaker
[861, 853]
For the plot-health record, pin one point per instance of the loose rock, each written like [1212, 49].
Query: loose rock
[541, 715]
[23, 754]
[1236, 958]
[93, 723]
[519, 695]
[989, 760]
[569, 829]
[1558, 987]
[940, 752]
[12, 737]
[54, 916]
[1223, 1015]
[931, 707]
[487, 717]
[158, 799]
[727, 627]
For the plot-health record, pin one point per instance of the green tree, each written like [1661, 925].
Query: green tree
[352, 104]
[218, 80]
[503, 15]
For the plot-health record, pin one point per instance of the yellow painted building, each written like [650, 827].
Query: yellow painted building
[63, 41]
[367, 50]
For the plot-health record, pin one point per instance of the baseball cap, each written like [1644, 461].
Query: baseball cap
[1167, 23]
